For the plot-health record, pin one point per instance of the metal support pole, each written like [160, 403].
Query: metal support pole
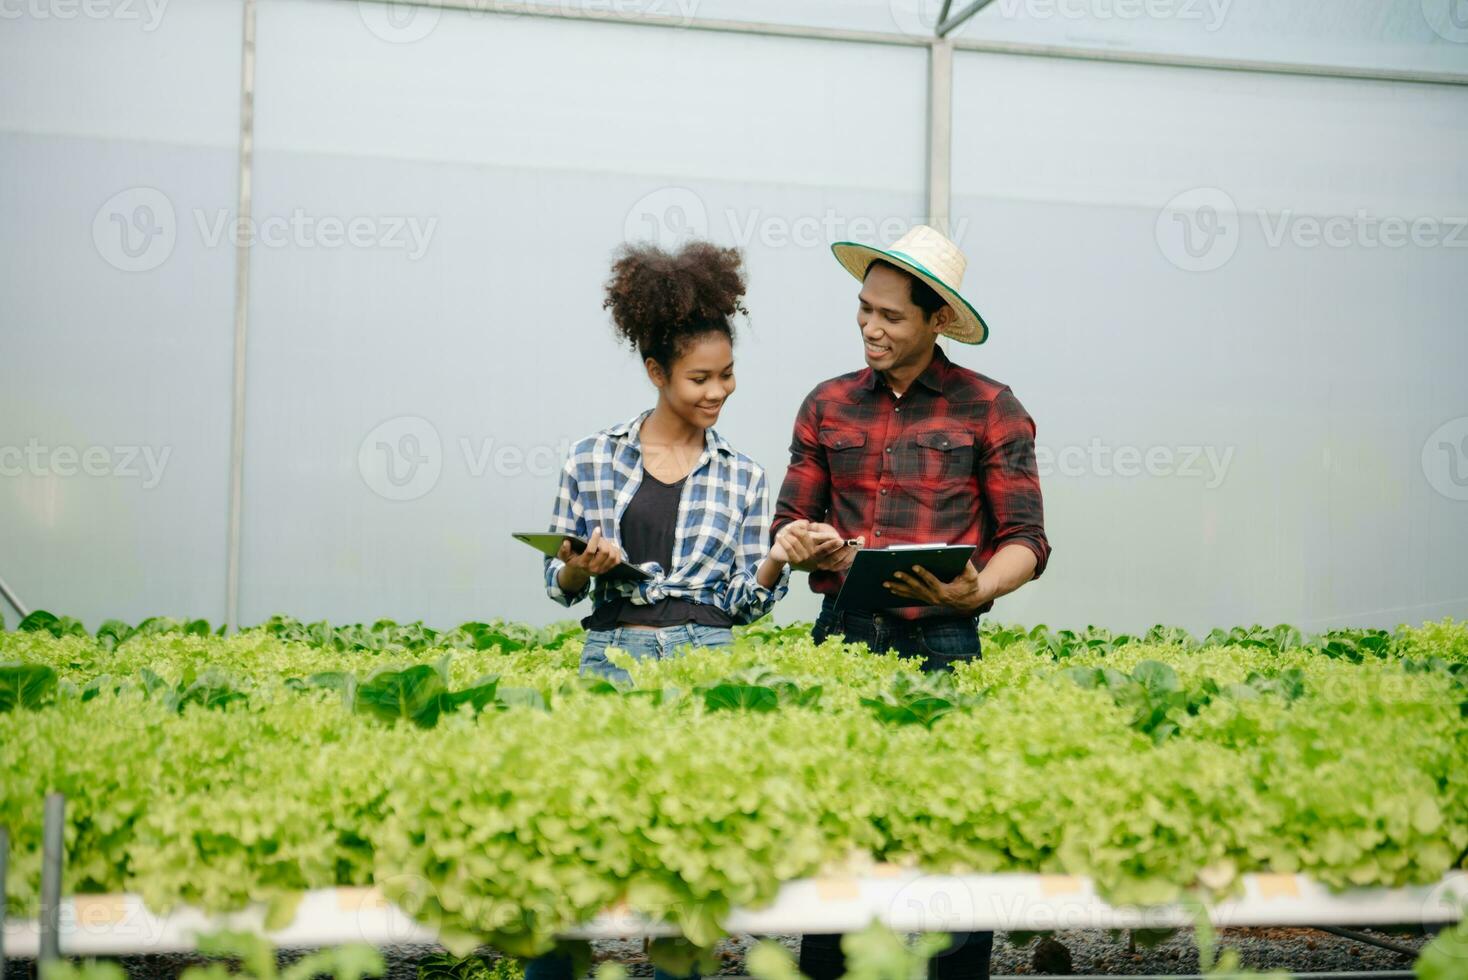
[241, 323]
[947, 25]
[53, 854]
[4, 870]
[1370, 940]
[13, 599]
[940, 133]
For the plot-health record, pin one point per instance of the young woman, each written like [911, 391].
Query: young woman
[664, 491]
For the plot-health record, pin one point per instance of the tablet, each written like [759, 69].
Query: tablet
[872, 567]
[550, 546]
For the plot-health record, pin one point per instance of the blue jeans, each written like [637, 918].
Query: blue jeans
[939, 642]
[555, 967]
[644, 643]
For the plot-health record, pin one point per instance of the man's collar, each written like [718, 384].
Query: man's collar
[630, 432]
[931, 378]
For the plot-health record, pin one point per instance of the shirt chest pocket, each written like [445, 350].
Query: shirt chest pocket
[844, 450]
[944, 455]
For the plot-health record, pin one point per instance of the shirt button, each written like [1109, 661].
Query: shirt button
[884, 491]
[897, 409]
[879, 534]
[889, 449]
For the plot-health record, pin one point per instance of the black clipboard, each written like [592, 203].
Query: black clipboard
[550, 546]
[863, 587]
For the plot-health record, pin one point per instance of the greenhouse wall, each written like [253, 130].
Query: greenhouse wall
[1248, 386]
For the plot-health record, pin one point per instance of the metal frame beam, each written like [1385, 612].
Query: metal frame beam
[516, 9]
[241, 321]
[1218, 64]
[947, 25]
[13, 599]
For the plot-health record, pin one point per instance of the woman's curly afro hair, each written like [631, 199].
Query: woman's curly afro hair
[661, 301]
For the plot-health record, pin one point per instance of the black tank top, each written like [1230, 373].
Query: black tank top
[649, 528]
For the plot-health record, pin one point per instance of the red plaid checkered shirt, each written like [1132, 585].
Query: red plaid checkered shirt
[951, 461]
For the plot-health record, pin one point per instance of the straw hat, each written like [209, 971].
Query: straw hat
[929, 255]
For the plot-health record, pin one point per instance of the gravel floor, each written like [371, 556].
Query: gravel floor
[1091, 952]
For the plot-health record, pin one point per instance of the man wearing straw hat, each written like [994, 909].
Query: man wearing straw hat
[914, 449]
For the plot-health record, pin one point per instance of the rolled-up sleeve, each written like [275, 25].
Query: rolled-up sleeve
[1010, 479]
[746, 600]
[568, 518]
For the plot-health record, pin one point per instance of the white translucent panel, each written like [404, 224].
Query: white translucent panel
[1119, 134]
[464, 333]
[534, 93]
[1395, 35]
[116, 313]
[1221, 284]
[137, 70]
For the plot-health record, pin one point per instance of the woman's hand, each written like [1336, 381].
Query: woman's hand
[801, 544]
[600, 556]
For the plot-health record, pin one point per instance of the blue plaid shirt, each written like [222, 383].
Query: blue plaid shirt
[721, 537]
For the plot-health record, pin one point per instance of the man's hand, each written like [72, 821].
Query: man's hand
[801, 545]
[964, 594]
[600, 556]
[840, 559]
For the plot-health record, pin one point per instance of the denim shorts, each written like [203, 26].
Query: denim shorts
[646, 643]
